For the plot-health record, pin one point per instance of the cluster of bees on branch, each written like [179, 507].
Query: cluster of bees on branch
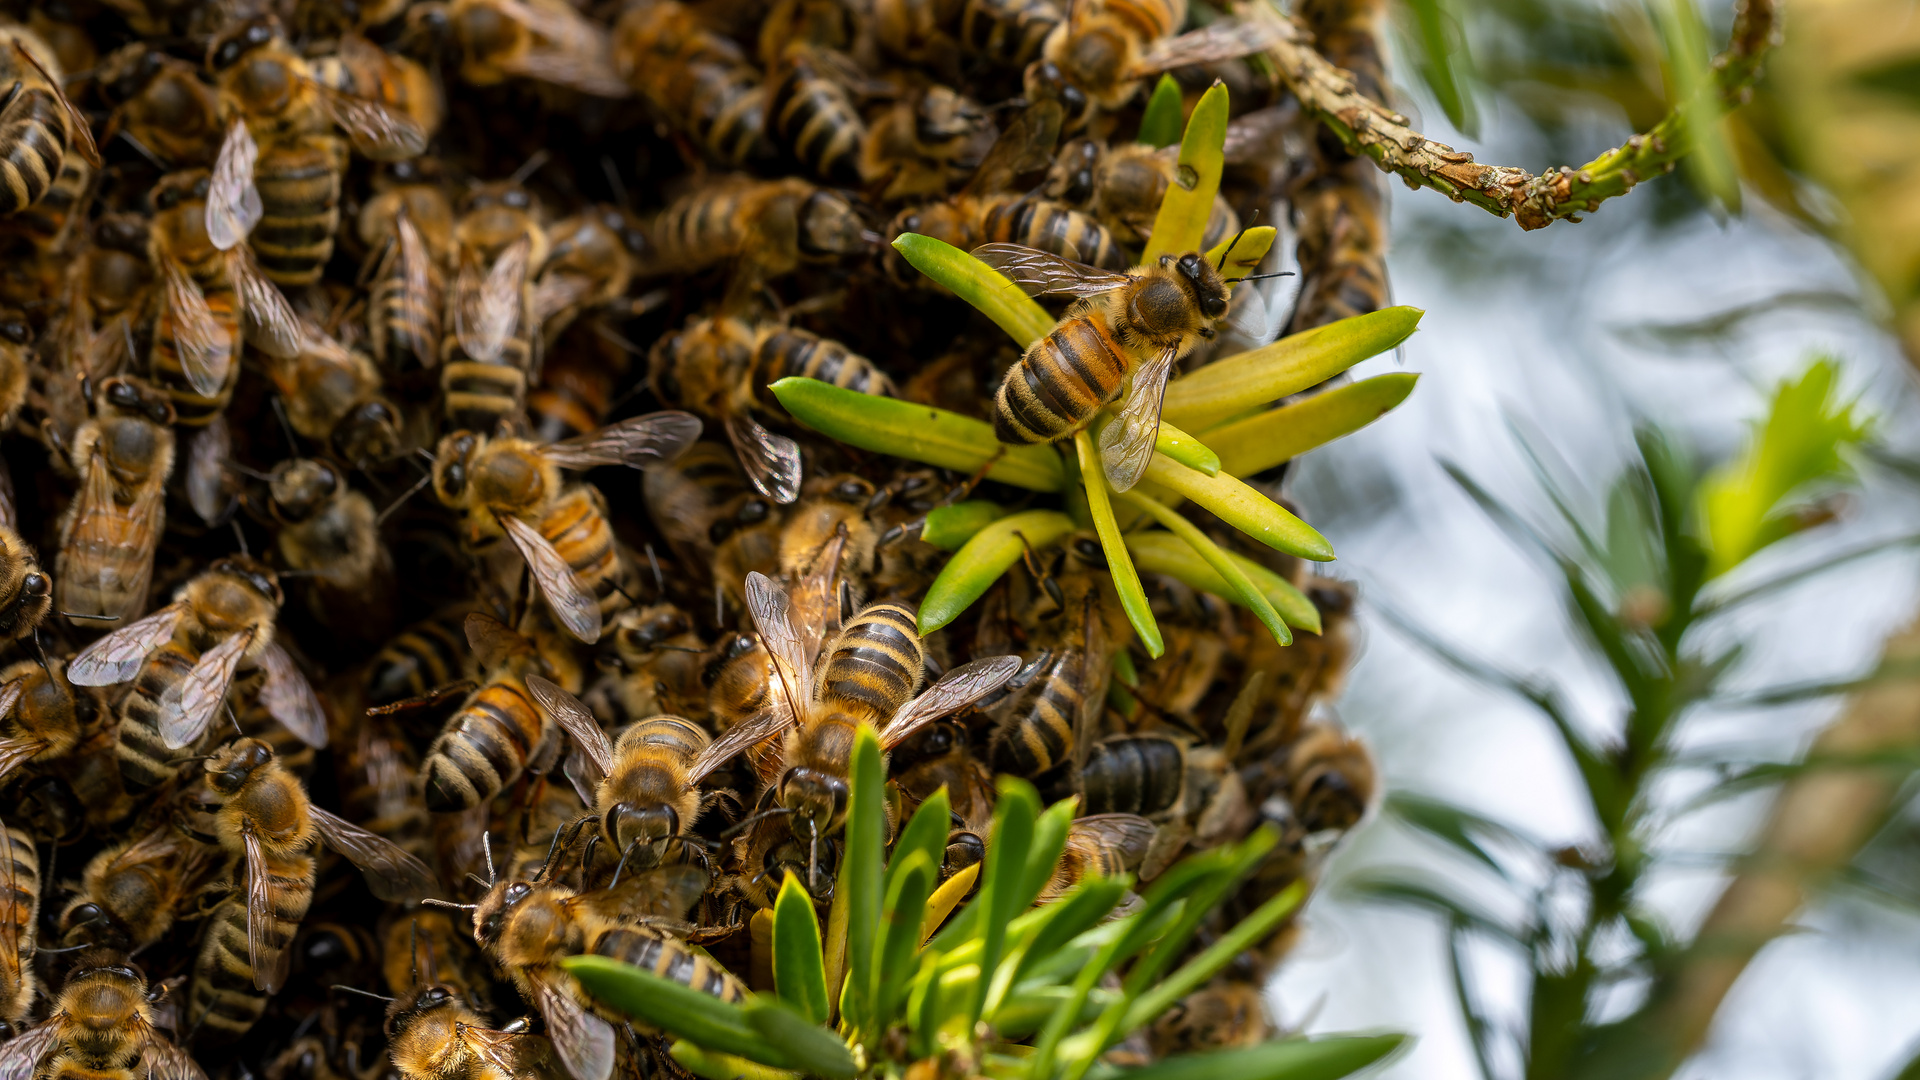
[306, 306]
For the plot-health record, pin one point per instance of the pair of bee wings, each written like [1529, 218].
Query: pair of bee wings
[13, 754]
[1026, 146]
[1228, 39]
[189, 705]
[106, 536]
[416, 278]
[20, 1056]
[1127, 835]
[793, 660]
[391, 874]
[771, 461]
[566, 48]
[488, 307]
[1126, 444]
[639, 443]
[596, 749]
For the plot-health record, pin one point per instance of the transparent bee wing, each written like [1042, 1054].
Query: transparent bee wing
[583, 1040]
[377, 132]
[270, 962]
[1224, 40]
[416, 275]
[956, 690]
[188, 705]
[486, 310]
[206, 352]
[82, 135]
[207, 454]
[572, 604]
[1026, 146]
[118, 656]
[1127, 835]
[268, 320]
[1126, 443]
[490, 639]
[20, 1056]
[99, 525]
[771, 461]
[594, 77]
[10, 695]
[1041, 273]
[17, 752]
[1249, 317]
[577, 720]
[391, 873]
[565, 49]
[496, 1048]
[745, 735]
[772, 612]
[289, 697]
[664, 892]
[233, 202]
[555, 293]
[166, 1061]
[640, 443]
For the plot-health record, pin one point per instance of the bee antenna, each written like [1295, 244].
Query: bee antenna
[659, 579]
[240, 537]
[236, 723]
[404, 496]
[450, 904]
[144, 151]
[100, 618]
[425, 453]
[522, 174]
[478, 880]
[1259, 277]
[286, 425]
[486, 842]
[40, 653]
[626, 594]
[622, 864]
[614, 182]
[743, 824]
[362, 993]
[249, 473]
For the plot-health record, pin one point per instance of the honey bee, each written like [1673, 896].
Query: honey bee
[1331, 778]
[37, 242]
[359, 72]
[696, 80]
[26, 592]
[40, 721]
[108, 535]
[704, 508]
[1105, 52]
[19, 922]
[268, 827]
[811, 116]
[38, 125]
[771, 226]
[835, 506]
[1098, 845]
[939, 756]
[131, 892]
[486, 361]
[378, 774]
[527, 926]
[591, 261]
[646, 787]
[1126, 333]
[1003, 34]
[160, 103]
[513, 486]
[428, 946]
[1133, 774]
[654, 667]
[327, 532]
[183, 658]
[333, 396]
[278, 174]
[1052, 714]
[197, 332]
[547, 41]
[432, 1034]
[408, 228]
[489, 739]
[920, 147]
[739, 680]
[986, 211]
[712, 367]
[1127, 184]
[429, 654]
[871, 673]
[1228, 1012]
[102, 1026]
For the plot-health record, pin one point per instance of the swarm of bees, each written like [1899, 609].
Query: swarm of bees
[306, 306]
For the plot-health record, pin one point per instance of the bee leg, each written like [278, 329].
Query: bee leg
[622, 864]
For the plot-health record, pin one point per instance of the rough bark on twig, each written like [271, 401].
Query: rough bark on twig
[1366, 127]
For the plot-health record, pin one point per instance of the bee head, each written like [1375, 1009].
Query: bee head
[451, 463]
[419, 1003]
[491, 916]
[641, 630]
[299, 487]
[233, 764]
[830, 226]
[252, 574]
[127, 397]
[649, 826]
[964, 849]
[1209, 288]
[818, 800]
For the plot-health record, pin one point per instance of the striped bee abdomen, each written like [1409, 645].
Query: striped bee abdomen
[787, 351]
[145, 761]
[1039, 733]
[299, 182]
[877, 662]
[1134, 775]
[33, 142]
[423, 657]
[484, 748]
[815, 121]
[223, 1003]
[1009, 33]
[1059, 384]
[1048, 226]
[576, 524]
[669, 959]
[192, 408]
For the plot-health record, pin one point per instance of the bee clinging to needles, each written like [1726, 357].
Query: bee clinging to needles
[1125, 334]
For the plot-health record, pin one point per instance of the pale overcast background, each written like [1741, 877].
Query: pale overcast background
[1540, 326]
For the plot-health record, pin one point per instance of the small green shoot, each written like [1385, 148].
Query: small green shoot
[1160, 125]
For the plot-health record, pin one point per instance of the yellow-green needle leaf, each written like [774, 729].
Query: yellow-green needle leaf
[1182, 222]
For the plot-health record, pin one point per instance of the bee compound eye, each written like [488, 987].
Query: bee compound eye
[36, 585]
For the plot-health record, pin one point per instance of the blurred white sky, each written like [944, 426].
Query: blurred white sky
[1531, 326]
